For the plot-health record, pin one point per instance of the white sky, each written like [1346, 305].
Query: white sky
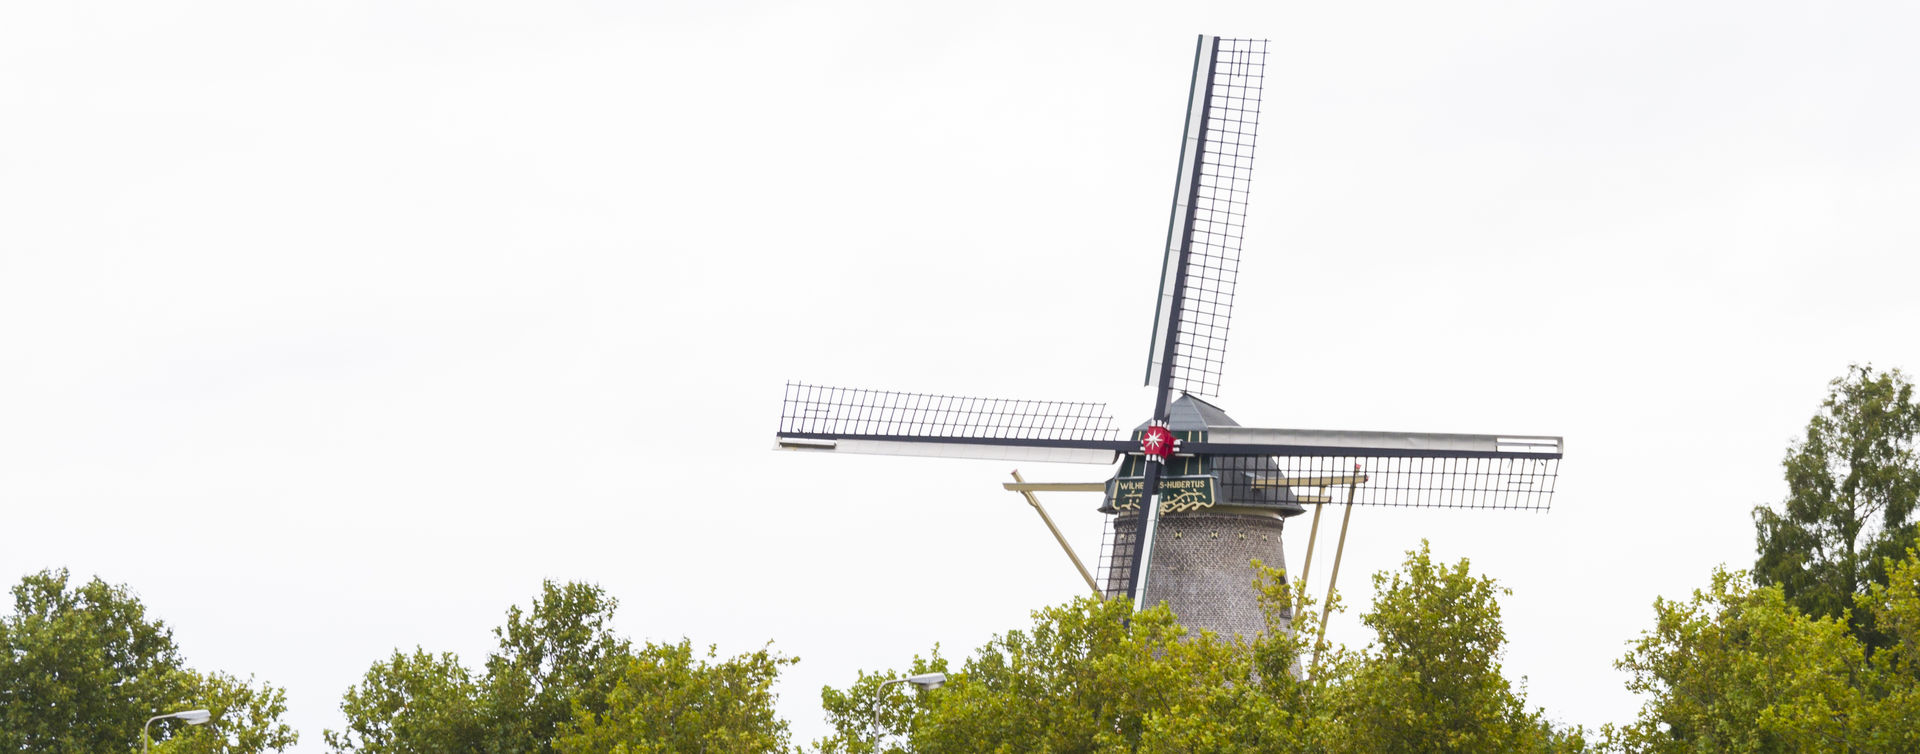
[332, 328]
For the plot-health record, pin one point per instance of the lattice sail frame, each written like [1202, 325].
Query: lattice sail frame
[885, 422]
[815, 410]
[1401, 482]
[1209, 214]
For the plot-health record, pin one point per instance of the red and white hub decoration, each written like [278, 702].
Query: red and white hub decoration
[1158, 442]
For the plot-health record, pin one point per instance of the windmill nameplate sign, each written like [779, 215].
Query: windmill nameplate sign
[1177, 493]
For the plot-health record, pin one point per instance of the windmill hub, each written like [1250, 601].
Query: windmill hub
[1158, 442]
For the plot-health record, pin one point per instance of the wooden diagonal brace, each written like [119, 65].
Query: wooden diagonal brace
[1021, 486]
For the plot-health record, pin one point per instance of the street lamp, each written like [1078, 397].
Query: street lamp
[191, 717]
[923, 681]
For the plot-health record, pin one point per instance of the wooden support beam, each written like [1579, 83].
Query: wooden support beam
[1326, 608]
[1312, 535]
[1023, 487]
[1056, 486]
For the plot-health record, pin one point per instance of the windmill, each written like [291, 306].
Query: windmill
[1196, 495]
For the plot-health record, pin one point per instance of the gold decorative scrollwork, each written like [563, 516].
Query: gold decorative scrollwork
[1186, 501]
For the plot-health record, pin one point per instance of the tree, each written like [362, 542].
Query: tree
[1095, 676]
[860, 714]
[418, 702]
[1089, 676]
[246, 718]
[665, 700]
[1852, 483]
[559, 652]
[1431, 681]
[562, 681]
[1892, 678]
[82, 668]
[1738, 668]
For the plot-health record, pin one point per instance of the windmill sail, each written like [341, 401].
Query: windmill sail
[1402, 481]
[884, 422]
[1396, 469]
[1209, 213]
[1204, 233]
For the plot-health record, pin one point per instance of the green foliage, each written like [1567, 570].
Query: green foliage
[1094, 676]
[1085, 679]
[1431, 681]
[562, 681]
[245, 718]
[1892, 678]
[854, 712]
[1852, 484]
[666, 700]
[1738, 668]
[417, 702]
[83, 668]
[1258, 701]
[1088, 677]
[561, 651]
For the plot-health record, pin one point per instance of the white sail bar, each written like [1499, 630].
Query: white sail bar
[1181, 222]
[934, 448]
[1389, 443]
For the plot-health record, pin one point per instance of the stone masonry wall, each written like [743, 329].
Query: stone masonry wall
[1202, 567]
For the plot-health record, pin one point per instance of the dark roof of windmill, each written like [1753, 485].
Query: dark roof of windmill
[1188, 414]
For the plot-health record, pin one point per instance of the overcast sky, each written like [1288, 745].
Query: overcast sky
[331, 328]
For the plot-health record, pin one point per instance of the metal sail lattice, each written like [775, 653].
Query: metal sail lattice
[814, 410]
[1395, 481]
[1225, 174]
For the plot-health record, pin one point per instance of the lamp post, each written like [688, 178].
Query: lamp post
[924, 681]
[191, 717]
